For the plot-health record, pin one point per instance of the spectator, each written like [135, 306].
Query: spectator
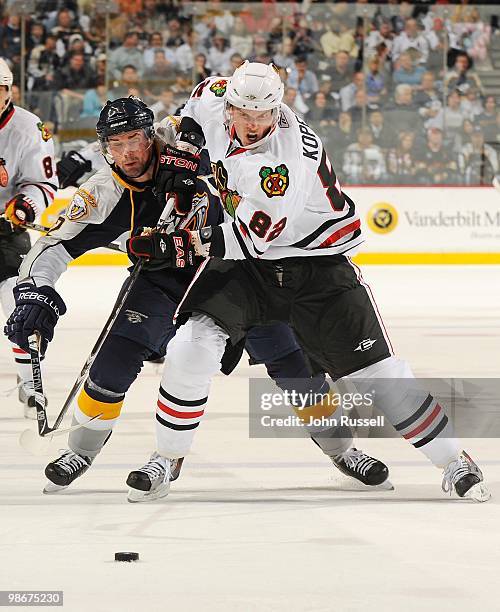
[240, 39]
[165, 106]
[360, 108]
[36, 36]
[411, 38]
[303, 79]
[477, 161]
[76, 44]
[129, 79]
[275, 35]
[338, 37]
[44, 61]
[407, 72]
[128, 54]
[156, 44]
[223, 19]
[219, 55]
[342, 136]
[294, 100]
[101, 67]
[461, 78]
[285, 57]
[342, 71]
[471, 103]
[302, 38]
[174, 37]
[363, 161]
[77, 75]
[383, 134]
[10, 37]
[184, 57]
[93, 101]
[201, 70]
[427, 98]
[236, 61]
[464, 137]
[487, 119]
[401, 161]
[450, 118]
[260, 50]
[379, 42]
[435, 164]
[348, 92]
[161, 74]
[403, 112]
[320, 112]
[375, 81]
[64, 28]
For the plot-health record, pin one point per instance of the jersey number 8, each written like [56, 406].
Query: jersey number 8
[261, 222]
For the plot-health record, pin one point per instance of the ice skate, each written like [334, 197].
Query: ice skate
[367, 470]
[63, 471]
[26, 395]
[465, 478]
[152, 480]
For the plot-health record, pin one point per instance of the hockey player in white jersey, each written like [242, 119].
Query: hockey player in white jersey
[283, 257]
[28, 183]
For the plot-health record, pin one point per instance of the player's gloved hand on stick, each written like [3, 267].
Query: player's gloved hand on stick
[162, 250]
[179, 165]
[71, 168]
[37, 309]
[20, 210]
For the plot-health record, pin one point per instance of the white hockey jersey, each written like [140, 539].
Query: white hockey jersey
[26, 159]
[284, 196]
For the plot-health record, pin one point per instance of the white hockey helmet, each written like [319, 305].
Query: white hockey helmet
[6, 79]
[255, 86]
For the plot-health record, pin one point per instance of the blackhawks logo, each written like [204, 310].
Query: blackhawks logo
[46, 135]
[229, 198]
[219, 87]
[4, 175]
[274, 183]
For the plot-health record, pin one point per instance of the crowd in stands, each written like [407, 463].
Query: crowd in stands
[394, 90]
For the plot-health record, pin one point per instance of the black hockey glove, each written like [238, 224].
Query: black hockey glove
[20, 210]
[163, 250]
[71, 168]
[179, 166]
[37, 309]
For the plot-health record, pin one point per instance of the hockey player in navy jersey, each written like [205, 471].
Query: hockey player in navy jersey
[127, 194]
[28, 184]
[284, 256]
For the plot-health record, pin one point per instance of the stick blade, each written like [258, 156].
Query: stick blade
[35, 444]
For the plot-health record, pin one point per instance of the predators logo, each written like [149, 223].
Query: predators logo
[274, 183]
[4, 175]
[229, 198]
[46, 135]
[219, 87]
[79, 205]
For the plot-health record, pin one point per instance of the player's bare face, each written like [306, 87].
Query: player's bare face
[131, 152]
[251, 126]
[4, 96]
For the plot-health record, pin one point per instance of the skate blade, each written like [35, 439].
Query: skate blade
[353, 484]
[478, 493]
[136, 496]
[50, 488]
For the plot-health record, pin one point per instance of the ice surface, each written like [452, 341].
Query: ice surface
[259, 524]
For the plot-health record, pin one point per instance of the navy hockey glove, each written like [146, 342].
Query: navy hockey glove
[71, 168]
[20, 210]
[37, 309]
[174, 250]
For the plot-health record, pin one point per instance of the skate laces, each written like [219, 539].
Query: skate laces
[455, 470]
[155, 468]
[357, 460]
[71, 462]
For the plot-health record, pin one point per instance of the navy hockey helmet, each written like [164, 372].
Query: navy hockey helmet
[124, 115]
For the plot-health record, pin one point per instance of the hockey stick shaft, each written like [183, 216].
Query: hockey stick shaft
[123, 295]
[43, 229]
[36, 370]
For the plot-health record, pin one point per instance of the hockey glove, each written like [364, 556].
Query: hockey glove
[174, 250]
[37, 310]
[71, 168]
[20, 210]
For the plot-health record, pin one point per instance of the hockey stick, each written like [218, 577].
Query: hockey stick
[34, 443]
[43, 229]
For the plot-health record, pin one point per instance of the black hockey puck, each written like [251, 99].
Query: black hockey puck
[126, 556]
